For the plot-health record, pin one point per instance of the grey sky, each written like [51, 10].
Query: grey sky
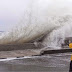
[11, 11]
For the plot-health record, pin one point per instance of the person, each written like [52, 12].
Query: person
[70, 69]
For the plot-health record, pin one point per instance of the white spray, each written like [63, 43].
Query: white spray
[57, 36]
[40, 18]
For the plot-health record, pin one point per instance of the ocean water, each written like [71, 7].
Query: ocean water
[52, 20]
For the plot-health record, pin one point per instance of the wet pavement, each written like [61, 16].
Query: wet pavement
[46, 63]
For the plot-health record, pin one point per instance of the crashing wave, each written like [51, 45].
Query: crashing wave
[40, 19]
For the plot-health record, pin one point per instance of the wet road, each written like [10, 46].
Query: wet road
[46, 63]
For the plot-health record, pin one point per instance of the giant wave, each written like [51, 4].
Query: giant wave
[40, 19]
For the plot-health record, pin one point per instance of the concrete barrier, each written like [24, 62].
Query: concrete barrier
[55, 51]
[10, 47]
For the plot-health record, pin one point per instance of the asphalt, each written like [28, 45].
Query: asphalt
[40, 60]
[46, 63]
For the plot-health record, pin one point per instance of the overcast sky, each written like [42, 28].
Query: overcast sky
[11, 11]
